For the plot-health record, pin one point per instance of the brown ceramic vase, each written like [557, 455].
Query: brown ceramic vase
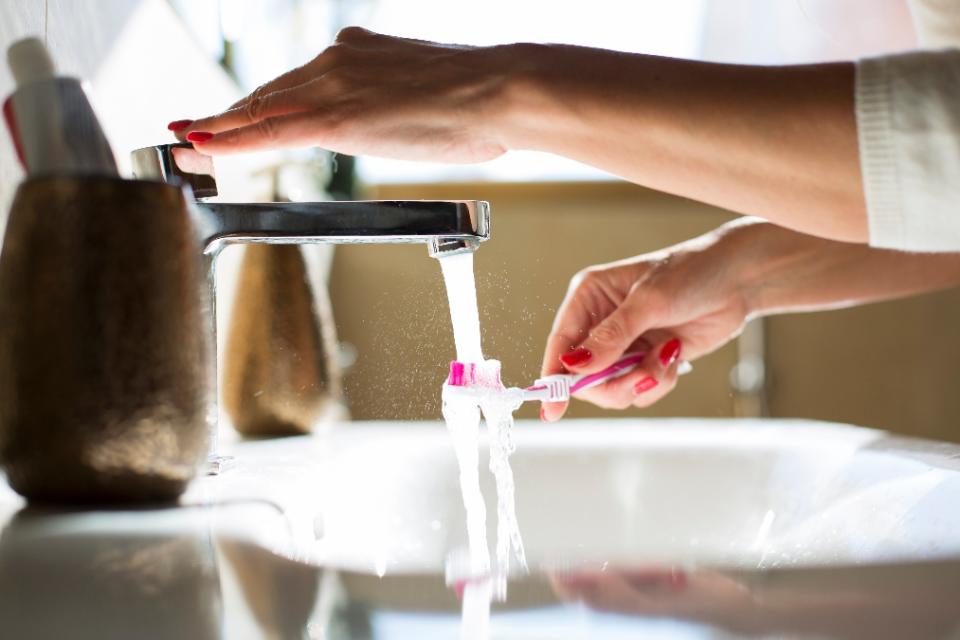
[280, 377]
[105, 392]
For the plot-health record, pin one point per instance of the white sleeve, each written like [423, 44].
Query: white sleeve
[908, 125]
[937, 22]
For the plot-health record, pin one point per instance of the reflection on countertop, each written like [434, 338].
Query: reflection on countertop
[243, 557]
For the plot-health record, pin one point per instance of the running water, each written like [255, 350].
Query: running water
[498, 414]
[462, 415]
[462, 297]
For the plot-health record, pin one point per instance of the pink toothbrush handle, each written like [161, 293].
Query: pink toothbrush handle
[621, 367]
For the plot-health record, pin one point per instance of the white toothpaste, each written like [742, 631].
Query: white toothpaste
[51, 121]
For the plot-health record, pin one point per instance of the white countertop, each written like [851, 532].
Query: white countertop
[310, 535]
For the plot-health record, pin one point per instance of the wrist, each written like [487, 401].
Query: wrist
[778, 267]
[519, 107]
[747, 243]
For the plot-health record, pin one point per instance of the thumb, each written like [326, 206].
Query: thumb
[608, 340]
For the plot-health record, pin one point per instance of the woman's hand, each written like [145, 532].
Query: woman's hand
[669, 592]
[371, 94]
[777, 141]
[684, 302]
[690, 299]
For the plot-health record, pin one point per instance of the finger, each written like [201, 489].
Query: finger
[621, 392]
[553, 411]
[304, 74]
[557, 343]
[666, 370]
[646, 394]
[651, 380]
[574, 318]
[672, 579]
[610, 339]
[306, 128]
[564, 587]
[570, 325]
[279, 103]
[604, 592]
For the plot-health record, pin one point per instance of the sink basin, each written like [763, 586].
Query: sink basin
[724, 494]
[655, 528]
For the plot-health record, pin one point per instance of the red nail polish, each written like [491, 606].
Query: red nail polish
[543, 414]
[576, 357]
[645, 385]
[179, 125]
[199, 136]
[670, 352]
[678, 580]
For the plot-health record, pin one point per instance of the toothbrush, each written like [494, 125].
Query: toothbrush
[474, 378]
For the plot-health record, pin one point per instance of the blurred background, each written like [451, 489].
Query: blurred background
[890, 365]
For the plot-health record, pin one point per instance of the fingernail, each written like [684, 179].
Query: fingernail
[199, 136]
[678, 580]
[576, 357]
[645, 385]
[670, 352]
[577, 580]
[543, 414]
[179, 125]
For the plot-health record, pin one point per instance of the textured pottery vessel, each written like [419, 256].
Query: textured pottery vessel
[105, 392]
[280, 376]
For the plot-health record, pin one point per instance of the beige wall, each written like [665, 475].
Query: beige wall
[390, 303]
[891, 365]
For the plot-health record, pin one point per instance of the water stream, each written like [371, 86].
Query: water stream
[462, 297]
[462, 415]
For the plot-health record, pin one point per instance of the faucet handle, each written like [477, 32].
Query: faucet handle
[177, 163]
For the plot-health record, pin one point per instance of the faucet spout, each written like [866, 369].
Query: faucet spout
[437, 223]
[449, 226]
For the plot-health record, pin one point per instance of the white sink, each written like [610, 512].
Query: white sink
[790, 528]
[732, 494]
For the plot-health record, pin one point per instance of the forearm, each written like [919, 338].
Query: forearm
[778, 142]
[785, 271]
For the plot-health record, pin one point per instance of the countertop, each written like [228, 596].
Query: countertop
[349, 534]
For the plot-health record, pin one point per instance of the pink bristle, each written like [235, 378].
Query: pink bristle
[487, 375]
[455, 379]
[468, 374]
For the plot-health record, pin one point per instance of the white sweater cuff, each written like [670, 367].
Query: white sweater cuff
[908, 124]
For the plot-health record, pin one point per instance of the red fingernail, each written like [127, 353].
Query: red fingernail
[670, 352]
[179, 125]
[576, 357]
[543, 414]
[678, 580]
[199, 136]
[645, 385]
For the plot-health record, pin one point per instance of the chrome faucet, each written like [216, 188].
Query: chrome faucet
[448, 226]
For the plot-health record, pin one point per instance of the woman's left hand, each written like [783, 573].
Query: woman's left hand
[372, 94]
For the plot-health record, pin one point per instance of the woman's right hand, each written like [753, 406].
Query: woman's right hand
[679, 303]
